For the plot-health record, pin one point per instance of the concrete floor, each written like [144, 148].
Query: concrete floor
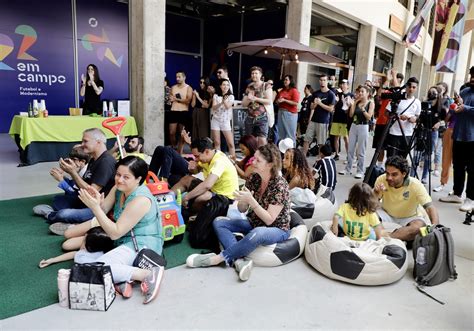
[293, 296]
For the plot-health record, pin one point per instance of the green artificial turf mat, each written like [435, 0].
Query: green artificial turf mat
[25, 240]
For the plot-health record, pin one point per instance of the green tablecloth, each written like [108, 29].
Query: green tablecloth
[61, 128]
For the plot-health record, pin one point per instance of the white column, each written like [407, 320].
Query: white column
[364, 64]
[400, 58]
[299, 29]
[147, 56]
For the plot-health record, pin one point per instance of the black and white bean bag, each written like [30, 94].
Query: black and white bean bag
[323, 208]
[286, 251]
[358, 262]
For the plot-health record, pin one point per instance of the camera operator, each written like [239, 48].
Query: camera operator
[432, 113]
[408, 111]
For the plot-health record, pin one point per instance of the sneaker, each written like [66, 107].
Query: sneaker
[467, 205]
[42, 210]
[244, 268]
[452, 198]
[344, 172]
[199, 260]
[336, 157]
[359, 175]
[59, 228]
[436, 173]
[424, 181]
[438, 188]
[151, 284]
[124, 289]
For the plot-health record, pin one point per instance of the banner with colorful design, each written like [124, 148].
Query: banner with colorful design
[415, 27]
[451, 38]
[36, 57]
[102, 39]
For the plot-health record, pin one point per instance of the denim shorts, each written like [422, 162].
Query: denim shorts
[257, 126]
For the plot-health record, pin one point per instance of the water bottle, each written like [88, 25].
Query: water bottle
[179, 200]
[30, 110]
[35, 108]
[104, 109]
[63, 287]
[111, 109]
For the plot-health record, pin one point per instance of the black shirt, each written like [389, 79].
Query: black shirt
[321, 115]
[101, 172]
[92, 100]
[340, 115]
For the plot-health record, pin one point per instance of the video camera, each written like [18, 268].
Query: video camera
[395, 94]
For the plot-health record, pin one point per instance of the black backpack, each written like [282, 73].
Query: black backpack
[433, 253]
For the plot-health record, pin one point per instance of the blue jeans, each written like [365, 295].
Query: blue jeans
[254, 237]
[70, 215]
[287, 122]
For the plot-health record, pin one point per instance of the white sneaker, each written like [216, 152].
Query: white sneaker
[436, 173]
[452, 198]
[343, 172]
[359, 175]
[439, 188]
[467, 205]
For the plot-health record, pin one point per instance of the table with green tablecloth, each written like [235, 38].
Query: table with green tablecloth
[49, 138]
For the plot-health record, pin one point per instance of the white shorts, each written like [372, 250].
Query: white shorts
[218, 125]
[385, 217]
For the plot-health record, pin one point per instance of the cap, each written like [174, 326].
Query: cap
[285, 144]
[344, 81]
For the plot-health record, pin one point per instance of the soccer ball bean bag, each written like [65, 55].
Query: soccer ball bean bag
[367, 262]
[286, 251]
[322, 209]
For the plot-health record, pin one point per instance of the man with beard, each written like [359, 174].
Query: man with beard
[402, 198]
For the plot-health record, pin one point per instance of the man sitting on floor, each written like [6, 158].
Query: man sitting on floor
[402, 196]
[100, 174]
[209, 198]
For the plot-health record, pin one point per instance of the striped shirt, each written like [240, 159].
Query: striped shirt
[326, 168]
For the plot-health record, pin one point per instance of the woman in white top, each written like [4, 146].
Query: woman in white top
[221, 116]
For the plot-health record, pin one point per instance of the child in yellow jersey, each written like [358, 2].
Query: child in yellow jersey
[357, 216]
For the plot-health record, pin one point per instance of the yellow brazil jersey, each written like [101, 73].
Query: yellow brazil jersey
[221, 166]
[406, 200]
[357, 227]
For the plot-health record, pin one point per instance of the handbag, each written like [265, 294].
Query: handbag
[91, 287]
[146, 257]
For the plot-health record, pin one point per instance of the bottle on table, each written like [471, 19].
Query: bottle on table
[111, 109]
[35, 108]
[30, 110]
[104, 109]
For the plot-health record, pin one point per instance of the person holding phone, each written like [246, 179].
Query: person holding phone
[181, 96]
[91, 89]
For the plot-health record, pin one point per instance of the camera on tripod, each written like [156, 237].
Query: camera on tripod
[395, 94]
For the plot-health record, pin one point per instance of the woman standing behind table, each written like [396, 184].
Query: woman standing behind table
[91, 89]
[221, 116]
[201, 102]
[266, 197]
[287, 100]
[136, 209]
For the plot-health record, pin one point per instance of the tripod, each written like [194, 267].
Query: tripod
[394, 118]
[422, 143]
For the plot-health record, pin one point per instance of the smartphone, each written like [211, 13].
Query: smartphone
[178, 96]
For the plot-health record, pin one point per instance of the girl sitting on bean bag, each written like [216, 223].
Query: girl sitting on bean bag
[357, 216]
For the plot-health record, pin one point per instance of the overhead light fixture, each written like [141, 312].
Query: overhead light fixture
[265, 51]
[260, 9]
[296, 56]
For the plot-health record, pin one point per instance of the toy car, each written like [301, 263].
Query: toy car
[170, 208]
